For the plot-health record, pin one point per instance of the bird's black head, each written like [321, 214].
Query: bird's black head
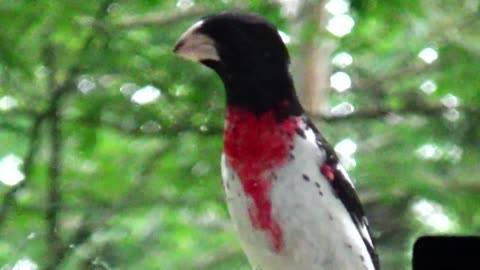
[249, 55]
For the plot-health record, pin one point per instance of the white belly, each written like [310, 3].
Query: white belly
[318, 233]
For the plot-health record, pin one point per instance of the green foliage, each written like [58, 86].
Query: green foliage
[140, 184]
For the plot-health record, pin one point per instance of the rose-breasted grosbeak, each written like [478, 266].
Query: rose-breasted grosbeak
[290, 200]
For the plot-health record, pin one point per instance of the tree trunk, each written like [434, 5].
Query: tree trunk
[311, 70]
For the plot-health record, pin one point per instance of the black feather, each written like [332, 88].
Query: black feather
[346, 193]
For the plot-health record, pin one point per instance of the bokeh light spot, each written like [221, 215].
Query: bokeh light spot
[340, 81]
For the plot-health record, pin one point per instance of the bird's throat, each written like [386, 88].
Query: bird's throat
[260, 90]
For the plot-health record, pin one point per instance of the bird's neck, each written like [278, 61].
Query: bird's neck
[262, 89]
[262, 111]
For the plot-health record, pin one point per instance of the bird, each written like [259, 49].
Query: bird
[290, 200]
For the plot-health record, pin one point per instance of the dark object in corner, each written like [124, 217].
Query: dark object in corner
[447, 253]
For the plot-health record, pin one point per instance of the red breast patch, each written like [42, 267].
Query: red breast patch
[254, 146]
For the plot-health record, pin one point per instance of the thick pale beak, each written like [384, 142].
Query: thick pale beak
[196, 46]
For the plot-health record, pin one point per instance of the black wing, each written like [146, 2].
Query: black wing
[345, 192]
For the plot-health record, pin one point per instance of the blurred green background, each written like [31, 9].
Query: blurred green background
[110, 145]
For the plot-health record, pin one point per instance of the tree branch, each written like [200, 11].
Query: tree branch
[165, 131]
[9, 201]
[375, 113]
[402, 73]
[222, 256]
[161, 19]
[151, 19]
[214, 129]
[54, 196]
[10, 127]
